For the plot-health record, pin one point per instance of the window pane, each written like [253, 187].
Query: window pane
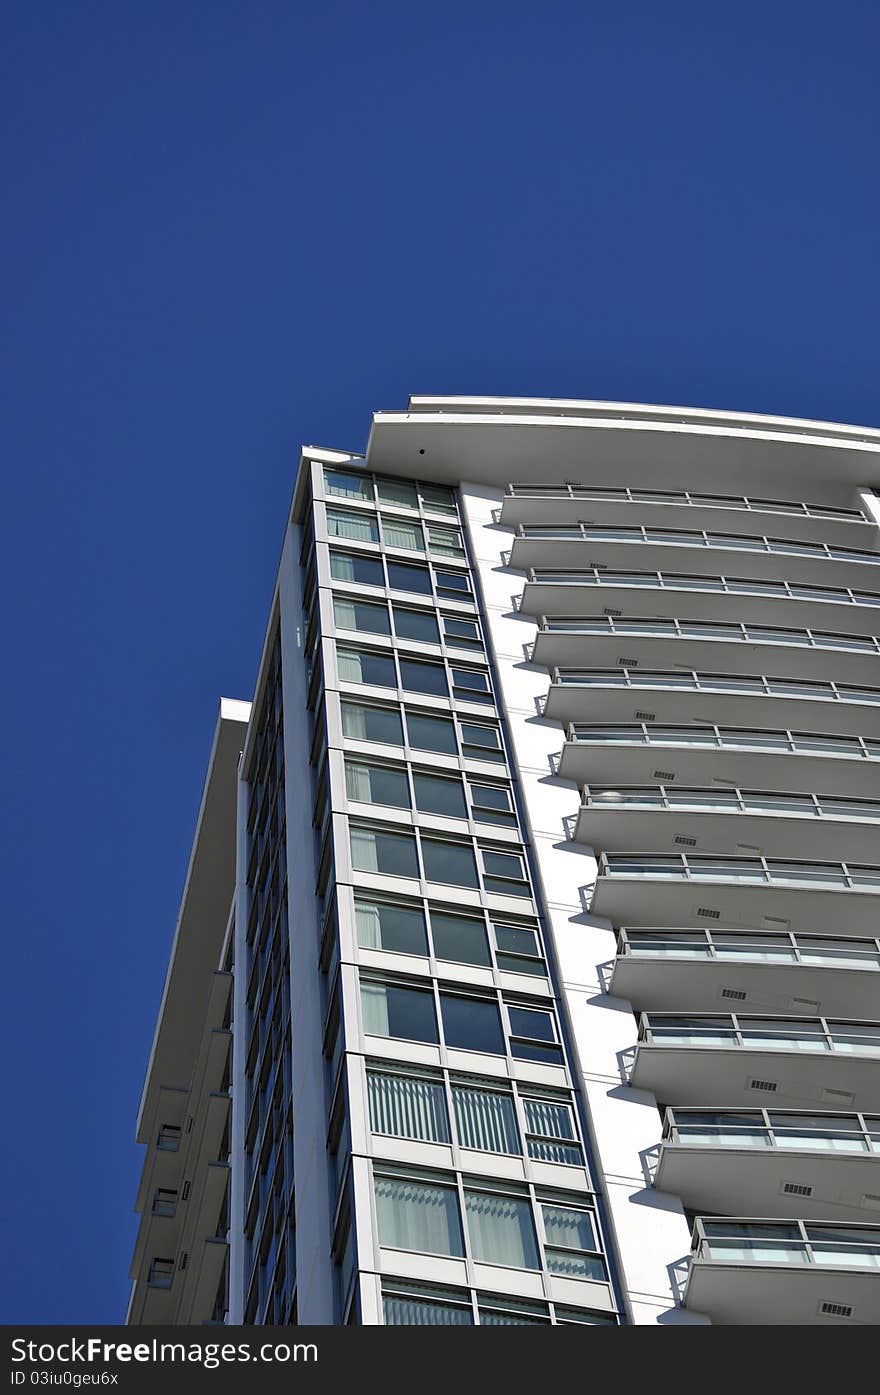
[419, 625]
[350, 614]
[397, 492]
[355, 527]
[461, 939]
[376, 784]
[431, 733]
[472, 1024]
[360, 666]
[549, 1119]
[404, 577]
[528, 1022]
[501, 1230]
[445, 541]
[437, 498]
[384, 925]
[449, 862]
[417, 676]
[349, 566]
[486, 741]
[400, 1311]
[437, 795]
[407, 1013]
[418, 1216]
[453, 581]
[485, 1120]
[397, 533]
[391, 853]
[568, 1228]
[363, 723]
[408, 1108]
[503, 864]
[348, 485]
[517, 939]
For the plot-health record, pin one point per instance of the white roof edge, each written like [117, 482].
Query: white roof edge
[588, 406]
[234, 710]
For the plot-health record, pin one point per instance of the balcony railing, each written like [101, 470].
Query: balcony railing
[711, 630]
[686, 681]
[682, 496]
[760, 1033]
[730, 801]
[670, 537]
[762, 1128]
[674, 581]
[776, 947]
[725, 738]
[786, 1242]
[749, 870]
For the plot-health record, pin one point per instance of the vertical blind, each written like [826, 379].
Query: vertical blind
[418, 1216]
[407, 1108]
[485, 1120]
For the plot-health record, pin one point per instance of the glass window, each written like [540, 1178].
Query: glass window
[351, 566]
[485, 1120]
[452, 583]
[471, 685]
[376, 784]
[461, 939]
[169, 1138]
[408, 1107]
[377, 850]
[464, 634]
[346, 484]
[164, 1202]
[415, 1310]
[396, 1011]
[431, 733]
[397, 532]
[354, 527]
[533, 1034]
[420, 1216]
[481, 742]
[518, 950]
[404, 576]
[504, 873]
[450, 862]
[391, 926]
[161, 1273]
[399, 492]
[419, 676]
[446, 542]
[550, 1131]
[472, 1024]
[570, 1233]
[362, 722]
[436, 794]
[420, 625]
[436, 498]
[501, 1229]
[492, 804]
[366, 666]
[366, 616]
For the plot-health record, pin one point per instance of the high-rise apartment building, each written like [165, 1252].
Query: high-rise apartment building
[527, 969]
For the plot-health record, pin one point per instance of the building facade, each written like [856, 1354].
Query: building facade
[527, 966]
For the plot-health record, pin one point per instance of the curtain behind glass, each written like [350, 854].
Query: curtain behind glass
[348, 526]
[375, 1008]
[407, 535]
[363, 850]
[486, 1121]
[408, 1108]
[501, 1230]
[369, 925]
[413, 1312]
[417, 1216]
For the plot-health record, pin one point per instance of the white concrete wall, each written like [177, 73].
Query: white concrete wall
[650, 1228]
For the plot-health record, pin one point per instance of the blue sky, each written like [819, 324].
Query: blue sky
[230, 228]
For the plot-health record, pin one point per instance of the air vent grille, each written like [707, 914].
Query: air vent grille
[609, 611]
[768, 1085]
[707, 913]
[684, 842]
[664, 774]
[796, 1189]
[736, 993]
[624, 662]
[843, 1310]
[644, 716]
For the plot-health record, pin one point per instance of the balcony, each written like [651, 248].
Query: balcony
[697, 970]
[772, 1162]
[763, 1273]
[730, 1059]
[727, 821]
[630, 642]
[678, 695]
[788, 761]
[560, 503]
[651, 889]
[653, 594]
[637, 548]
